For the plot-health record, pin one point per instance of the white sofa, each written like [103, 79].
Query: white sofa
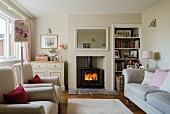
[152, 100]
[42, 100]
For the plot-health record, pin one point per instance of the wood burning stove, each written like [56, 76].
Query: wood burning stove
[91, 76]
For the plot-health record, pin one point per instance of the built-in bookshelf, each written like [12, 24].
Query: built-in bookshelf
[126, 46]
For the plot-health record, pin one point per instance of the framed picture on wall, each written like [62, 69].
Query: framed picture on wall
[86, 45]
[49, 41]
[117, 54]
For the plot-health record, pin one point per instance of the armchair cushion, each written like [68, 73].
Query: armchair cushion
[35, 80]
[17, 96]
[42, 94]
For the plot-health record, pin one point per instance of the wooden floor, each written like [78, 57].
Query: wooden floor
[65, 97]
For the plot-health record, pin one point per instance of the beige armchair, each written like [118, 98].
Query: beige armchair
[28, 74]
[42, 100]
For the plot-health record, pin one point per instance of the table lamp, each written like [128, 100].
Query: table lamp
[147, 55]
[157, 57]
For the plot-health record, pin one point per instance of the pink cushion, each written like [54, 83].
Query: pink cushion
[17, 96]
[35, 80]
[158, 78]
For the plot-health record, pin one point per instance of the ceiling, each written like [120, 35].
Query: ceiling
[51, 8]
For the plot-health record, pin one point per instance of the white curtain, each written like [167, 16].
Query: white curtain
[27, 51]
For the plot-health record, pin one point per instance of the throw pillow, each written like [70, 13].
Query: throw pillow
[147, 77]
[17, 96]
[165, 85]
[35, 80]
[158, 78]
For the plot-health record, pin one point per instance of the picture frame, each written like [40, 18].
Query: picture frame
[123, 33]
[86, 45]
[126, 55]
[133, 53]
[119, 32]
[49, 41]
[117, 54]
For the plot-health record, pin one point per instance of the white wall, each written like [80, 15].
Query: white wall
[157, 38]
[58, 25]
[92, 20]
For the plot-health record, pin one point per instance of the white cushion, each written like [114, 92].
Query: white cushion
[147, 77]
[165, 85]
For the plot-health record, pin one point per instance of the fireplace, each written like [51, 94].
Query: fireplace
[91, 77]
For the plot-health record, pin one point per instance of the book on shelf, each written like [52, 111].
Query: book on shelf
[126, 44]
[120, 66]
[137, 44]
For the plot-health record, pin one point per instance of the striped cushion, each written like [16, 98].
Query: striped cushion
[158, 78]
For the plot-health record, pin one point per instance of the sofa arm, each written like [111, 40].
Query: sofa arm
[21, 109]
[133, 75]
[41, 94]
[58, 92]
[52, 79]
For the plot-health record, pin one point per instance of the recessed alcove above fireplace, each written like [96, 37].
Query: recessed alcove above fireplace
[91, 38]
[90, 71]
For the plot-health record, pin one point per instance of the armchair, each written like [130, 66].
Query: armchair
[41, 100]
[28, 74]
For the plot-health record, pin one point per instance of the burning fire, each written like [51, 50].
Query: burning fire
[91, 76]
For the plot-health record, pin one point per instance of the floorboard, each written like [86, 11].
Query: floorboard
[65, 97]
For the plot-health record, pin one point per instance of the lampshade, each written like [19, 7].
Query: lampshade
[22, 30]
[147, 54]
[157, 56]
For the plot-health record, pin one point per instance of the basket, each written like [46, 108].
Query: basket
[119, 83]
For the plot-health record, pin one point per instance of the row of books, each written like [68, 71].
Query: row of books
[122, 65]
[127, 44]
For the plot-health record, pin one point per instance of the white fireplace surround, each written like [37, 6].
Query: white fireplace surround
[81, 62]
[106, 66]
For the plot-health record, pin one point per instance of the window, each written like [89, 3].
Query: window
[8, 48]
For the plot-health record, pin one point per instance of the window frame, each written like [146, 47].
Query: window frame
[6, 55]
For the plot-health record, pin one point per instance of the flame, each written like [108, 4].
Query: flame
[91, 76]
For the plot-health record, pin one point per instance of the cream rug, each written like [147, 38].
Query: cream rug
[96, 106]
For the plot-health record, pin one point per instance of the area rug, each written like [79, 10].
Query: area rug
[91, 92]
[96, 106]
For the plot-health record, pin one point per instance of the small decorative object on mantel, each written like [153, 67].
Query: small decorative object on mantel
[57, 57]
[138, 64]
[61, 46]
[52, 52]
[41, 57]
